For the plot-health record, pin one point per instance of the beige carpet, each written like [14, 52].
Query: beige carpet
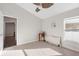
[40, 44]
[41, 52]
[30, 52]
[12, 53]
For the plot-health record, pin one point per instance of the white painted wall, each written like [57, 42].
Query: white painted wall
[1, 30]
[51, 32]
[71, 40]
[28, 26]
[59, 30]
[72, 36]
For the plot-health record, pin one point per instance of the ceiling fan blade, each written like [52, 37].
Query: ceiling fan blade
[38, 4]
[46, 5]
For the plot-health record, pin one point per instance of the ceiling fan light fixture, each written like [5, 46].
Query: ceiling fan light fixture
[37, 9]
[42, 6]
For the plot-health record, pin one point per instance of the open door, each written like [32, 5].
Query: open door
[10, 32]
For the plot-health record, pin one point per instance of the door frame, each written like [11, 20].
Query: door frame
[4, 28]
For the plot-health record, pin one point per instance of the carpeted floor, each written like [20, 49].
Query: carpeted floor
[40, 44]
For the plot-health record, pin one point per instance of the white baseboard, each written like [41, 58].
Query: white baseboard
[26, 42]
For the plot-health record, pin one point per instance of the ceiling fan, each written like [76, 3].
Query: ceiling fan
[43, 5]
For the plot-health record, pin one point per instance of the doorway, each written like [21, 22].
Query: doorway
[9, 31]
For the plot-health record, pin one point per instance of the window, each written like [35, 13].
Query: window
[72, 24]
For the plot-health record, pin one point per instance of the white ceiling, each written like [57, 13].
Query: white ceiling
[57, 8]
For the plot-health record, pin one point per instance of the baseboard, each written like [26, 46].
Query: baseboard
[26, 42]
[51, 43]
[70, 48]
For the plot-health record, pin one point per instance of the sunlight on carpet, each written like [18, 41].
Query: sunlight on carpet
[42, 52]
[12, 53]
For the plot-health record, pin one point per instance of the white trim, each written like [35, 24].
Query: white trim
[15, 28]
[71, 18]
[10, 16]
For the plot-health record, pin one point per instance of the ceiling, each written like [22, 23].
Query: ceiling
[57, 8]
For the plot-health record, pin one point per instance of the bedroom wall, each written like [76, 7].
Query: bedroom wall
[1, 30]
[59, 29]
[28, 25]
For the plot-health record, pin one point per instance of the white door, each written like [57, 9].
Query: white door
[1, 30]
